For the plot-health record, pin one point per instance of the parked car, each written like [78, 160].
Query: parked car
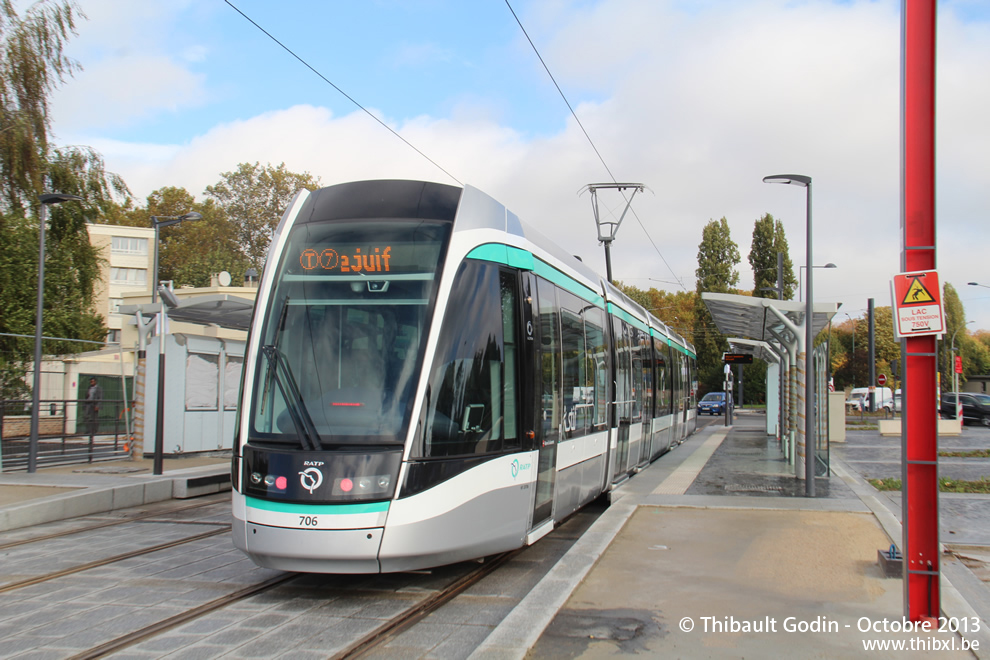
[712, 403]
[975, 407]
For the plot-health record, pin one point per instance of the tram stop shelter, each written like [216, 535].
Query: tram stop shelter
[202, 373]
[774, 331]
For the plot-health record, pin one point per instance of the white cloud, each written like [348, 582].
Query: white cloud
[699, 105]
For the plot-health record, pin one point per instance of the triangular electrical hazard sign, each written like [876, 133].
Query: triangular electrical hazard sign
[917, 294]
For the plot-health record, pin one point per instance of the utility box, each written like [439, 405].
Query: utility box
[836, 416]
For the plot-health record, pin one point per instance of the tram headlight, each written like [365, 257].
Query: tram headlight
[269, 479]
[256, 478]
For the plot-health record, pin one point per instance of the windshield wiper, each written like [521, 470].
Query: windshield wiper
[308, 435]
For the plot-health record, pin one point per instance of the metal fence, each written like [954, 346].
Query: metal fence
[70, 431]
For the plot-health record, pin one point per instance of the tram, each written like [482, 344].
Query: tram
[428, 380]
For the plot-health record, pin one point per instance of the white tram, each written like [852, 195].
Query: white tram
[428, 380]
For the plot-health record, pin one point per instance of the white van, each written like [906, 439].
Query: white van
[859, 398]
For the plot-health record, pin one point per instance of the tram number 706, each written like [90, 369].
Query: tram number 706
[307, 521]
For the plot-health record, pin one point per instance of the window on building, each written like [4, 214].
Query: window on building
[129, 245]
[115, 304]
[129, 276]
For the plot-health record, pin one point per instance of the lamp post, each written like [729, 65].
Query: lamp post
[45, 199]
[955, 374]
[809, 383]
[801, 276]
[978, 284]
[157, 222]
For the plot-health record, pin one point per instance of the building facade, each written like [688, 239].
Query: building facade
[128, 255]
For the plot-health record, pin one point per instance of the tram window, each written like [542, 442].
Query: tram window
[660, 360]
[577, 397]
[472, 397]
[642, 366]
[596, 373]
[550, 362]
[623, 371]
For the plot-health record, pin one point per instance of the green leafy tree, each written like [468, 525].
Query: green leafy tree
[254, 198]
[189, 253]
[32, 64]
[955, 326]
[718, 256]
[769, 238]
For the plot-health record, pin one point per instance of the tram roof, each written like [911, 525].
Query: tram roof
[751, 318]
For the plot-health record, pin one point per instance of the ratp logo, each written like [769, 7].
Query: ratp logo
[516, 467]
[310, 478]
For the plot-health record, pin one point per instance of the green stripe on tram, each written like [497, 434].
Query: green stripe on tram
[517, 258]
[314, 509]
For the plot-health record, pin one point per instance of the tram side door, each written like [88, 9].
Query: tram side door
[551, 402]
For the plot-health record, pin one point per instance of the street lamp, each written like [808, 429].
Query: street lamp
[809, 383]
[955, 374]
[45, 199]
[801, 276]
[157, 222]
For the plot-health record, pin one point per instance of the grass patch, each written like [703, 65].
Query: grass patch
[976, 453]
[945, 485]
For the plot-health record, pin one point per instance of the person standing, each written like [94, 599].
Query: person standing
[94, 397]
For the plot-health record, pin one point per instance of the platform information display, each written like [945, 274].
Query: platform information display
[917, 301]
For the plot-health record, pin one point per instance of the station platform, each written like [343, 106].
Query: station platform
[58, 493]
[712, 551]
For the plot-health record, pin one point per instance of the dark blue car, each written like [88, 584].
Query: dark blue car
[712, 403]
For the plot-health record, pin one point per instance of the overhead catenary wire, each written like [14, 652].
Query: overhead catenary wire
[341, 91]
[590, 141]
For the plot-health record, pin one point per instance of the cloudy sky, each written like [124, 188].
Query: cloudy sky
[696, 99]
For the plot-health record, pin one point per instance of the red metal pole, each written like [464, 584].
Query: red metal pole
[920, 432]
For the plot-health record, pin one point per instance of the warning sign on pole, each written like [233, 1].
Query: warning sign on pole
[917, 300]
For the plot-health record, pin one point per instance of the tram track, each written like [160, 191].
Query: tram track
[125, 641]
[399, 624]
[38, 579]
[360, 648]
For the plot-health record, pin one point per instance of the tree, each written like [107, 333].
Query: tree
[718, 256]
[254, 199]
[769, 239]
[189, 253]
[32, 63]
[955, 326]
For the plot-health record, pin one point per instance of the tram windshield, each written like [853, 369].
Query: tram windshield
[343, 336]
